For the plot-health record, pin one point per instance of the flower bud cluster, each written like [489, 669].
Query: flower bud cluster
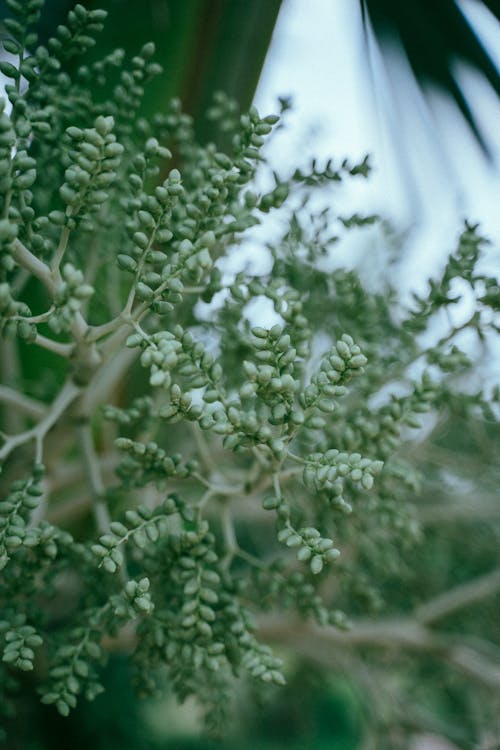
[288, 304]
[249, 139]
[275, 198]
[491, 294]
[261, 663]
[8, 229]
[128, 93]
[21, 23]
[24, 14]
[143, 526]
[17, 171]
[69, 297]
[20, 645]
[140, 411]
[209, 632]
[12, 314]
[380, 431]
[189, 638]
[73, 671]
[294, 588]
[328, 472]
[149, 214]
[311, 546]
[48, 540]
[133, 601]
[317, 175]
[342, 362]
[224, 111]
[172, 125]
[272, 377]
[165, 352]
[162, 264]
[452, 360]
[199, 580]
[76, 36]
[257, 658]
[98, 72]
[93, 158]
[441, 293]
[15, 512]
[211, 202]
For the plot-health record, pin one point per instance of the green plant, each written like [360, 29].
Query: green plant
[261, 485]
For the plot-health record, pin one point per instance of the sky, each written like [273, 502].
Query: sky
[429, 174]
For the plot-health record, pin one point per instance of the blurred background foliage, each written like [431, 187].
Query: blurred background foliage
[202, 45]
[210, 45]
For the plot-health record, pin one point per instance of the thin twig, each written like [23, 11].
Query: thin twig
[63, 350]
[61, 249]
[66, 395]
[459, 511]
[96, 483]
[229, 534]
[459, 597]
[34, 265]
[26, 404]
[42, 318]
[94, 477]
[98, 332]
[106, 379]
[10, 369]
[321, 643]
[203, 450]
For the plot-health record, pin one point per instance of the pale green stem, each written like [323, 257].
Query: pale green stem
[111, 372]
[459, 597]
[276, 485]
[63, 350]
[10, 369]
[29, 406]
[229, 535]
[94, 478]
[36, 267]
[65, 397]
[98, 332]
[203, 450]
[42, 318]
[61, 249]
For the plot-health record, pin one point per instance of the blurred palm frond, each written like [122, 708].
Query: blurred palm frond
[434, 37]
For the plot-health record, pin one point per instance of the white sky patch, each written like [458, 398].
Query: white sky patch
[429, 173]
[260, 312]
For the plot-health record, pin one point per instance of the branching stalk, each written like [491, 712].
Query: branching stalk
[66, 396]
[26, 404]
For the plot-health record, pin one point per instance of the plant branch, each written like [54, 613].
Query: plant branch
[459, 597]
[94, 477]
[461, 511]
[63, 350]
[98, 332]
[229, 535]
[203, 450]
[321, 643]
[61, 249]
[34, 265]
[26, 404]
[107, 378]
[42, 318]
[327, 645]
[10, 369]
[65, 397]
